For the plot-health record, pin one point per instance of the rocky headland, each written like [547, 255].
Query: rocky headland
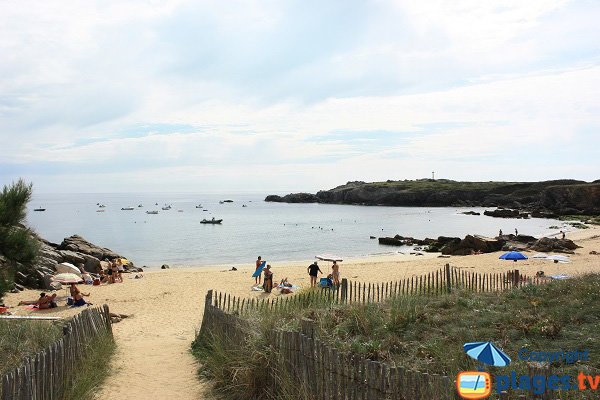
[539, 199]
[74, 249]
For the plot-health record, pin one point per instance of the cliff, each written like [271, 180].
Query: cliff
[558, 196]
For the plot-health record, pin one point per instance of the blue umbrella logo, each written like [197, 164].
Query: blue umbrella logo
[513, 255]
[487, 353]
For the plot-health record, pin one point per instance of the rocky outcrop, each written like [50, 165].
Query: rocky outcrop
[75, 250]
[472, 244]
[78, 244]
[547, 245]
[293, 198]
[506, 213]
[557, 197]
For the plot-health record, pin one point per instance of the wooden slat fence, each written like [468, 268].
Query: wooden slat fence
[435, 283]
[319, 371]
[45, 375]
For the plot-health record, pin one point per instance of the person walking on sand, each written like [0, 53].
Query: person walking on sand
[258, 262]
[313, 269]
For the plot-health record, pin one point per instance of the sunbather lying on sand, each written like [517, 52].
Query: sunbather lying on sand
[44, 302]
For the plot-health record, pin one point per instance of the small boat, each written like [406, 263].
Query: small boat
[205, 210]
[101, 206]
[126, 208]
[140, 206]
[166, 208]
[211, 221]
[151, 212]
[227, 201]
[243, 205]
[99, 210]
[39, 209]
[199, 206]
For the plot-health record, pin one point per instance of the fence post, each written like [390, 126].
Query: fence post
[516, 277]
[448, 281]
[344, 288]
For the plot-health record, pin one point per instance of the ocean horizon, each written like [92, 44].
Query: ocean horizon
[279, 232]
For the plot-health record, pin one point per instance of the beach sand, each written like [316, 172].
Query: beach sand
[153, 359]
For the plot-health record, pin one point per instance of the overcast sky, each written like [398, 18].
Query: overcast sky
[281, 96]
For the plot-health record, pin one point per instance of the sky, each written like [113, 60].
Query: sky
[285, 96]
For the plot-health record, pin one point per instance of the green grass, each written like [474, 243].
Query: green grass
[19, 339]
[427, 333]
[92, 370]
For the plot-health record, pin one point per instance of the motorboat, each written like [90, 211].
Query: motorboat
[211, 221]
[151, 212]
[99, 210]
[199, 206]
[166, 208]
[126, 208]
[39, 209]
[140, 206]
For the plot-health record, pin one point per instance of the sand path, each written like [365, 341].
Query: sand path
[153, 359]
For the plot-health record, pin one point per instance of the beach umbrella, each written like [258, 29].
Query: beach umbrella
[487, 353]
[329, 257]
[67, 277]
[67, 268]
[558, 258]
[513, 255]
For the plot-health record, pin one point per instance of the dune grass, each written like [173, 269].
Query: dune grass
[19, 339]
[424, 333]
[92, 370]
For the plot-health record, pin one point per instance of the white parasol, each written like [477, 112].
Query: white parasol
[66, 267]
[329, 257]
[66, 278]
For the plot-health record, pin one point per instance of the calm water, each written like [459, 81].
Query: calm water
[276, 231]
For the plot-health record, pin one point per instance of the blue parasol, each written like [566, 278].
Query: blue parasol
[513, 255]
[487, 353]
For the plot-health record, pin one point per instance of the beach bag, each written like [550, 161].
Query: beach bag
[69, 301]
[96, 282]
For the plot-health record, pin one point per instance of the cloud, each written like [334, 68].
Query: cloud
[296, 93]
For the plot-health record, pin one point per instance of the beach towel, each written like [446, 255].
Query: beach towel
[259, 269]
[257, 288]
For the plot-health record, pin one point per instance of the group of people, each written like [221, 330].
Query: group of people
[313, 271]
[333, 279]
[113, 273]
[47, 301]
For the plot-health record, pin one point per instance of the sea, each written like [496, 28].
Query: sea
[251, 227]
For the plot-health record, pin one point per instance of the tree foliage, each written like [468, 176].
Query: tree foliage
[17, 246]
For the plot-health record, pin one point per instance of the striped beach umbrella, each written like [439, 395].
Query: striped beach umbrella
[487, 353]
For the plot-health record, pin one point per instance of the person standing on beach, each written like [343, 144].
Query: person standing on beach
[258, 262]
[313, 269]
[268, 282]
[500, 233]
[335, 274]
[516, 232]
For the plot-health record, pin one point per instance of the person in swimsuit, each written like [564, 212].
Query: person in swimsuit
[313, 269]
[335, 274]
[268, 281]
[258, 262]
[77, 296]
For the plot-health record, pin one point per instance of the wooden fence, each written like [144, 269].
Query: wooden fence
[435, 283]
[46, 374]
[319, 371]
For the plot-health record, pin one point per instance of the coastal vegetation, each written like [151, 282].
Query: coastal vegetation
[420, 332]
[18, 249]
[20, 339]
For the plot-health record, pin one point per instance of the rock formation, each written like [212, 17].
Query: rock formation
[559, 197]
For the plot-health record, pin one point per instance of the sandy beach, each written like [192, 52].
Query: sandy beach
[153, 360]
